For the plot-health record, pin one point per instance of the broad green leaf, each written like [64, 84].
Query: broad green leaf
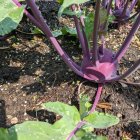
[73, 13]
[69, 112]
[83, 103]
[101, 120]
[35, 130]
[90, 136]
[67, 3]
[10, 16]
[89, 19]
[31, 130]
[4, 135]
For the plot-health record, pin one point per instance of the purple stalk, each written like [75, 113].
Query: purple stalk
[53, 40]
[133, 16]
[134, 2]
[82, 39]
[42, 25]
[79, 125]
[125, 9]
[98, 94]
[85, 38]
[101, 48]
[108, 11]
[117, 4]
[39, 17]
[127, 73]
[127, 41]
[104, 3]
[95, 32]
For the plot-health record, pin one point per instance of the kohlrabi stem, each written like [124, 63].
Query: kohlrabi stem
[129, 83]
[81, 37]
[95, 32]
[125, 9]
[98, 94]
[127, 73]
[134, 2]
[127, 41]
[104, 3]
[39, 17]
[79, 125]
[108, 11]
[85, 38]
[117, 4]
[101, 48]
[53, 40]
[133, 16]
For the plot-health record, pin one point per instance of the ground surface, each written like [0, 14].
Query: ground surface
[32, 73]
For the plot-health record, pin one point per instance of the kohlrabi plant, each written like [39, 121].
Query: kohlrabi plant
[72, 125]
[121, 9]
[99, 64]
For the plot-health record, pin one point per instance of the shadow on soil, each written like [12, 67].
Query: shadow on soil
[2, 114]
[48, 69]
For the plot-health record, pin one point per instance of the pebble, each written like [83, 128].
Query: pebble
[14, 120]
[119, 115]
[132, 105]
[9, 116]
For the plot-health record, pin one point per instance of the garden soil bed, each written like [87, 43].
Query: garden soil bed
[31, 73]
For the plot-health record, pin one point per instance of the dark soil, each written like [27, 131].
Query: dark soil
[31, 73]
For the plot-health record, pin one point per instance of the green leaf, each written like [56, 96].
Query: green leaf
[60, 1]
[73, 13]
[31, 130]
[36, 30]
[67, 3]
[35, 130]
[103, 15]
[84, 105]
[101, 120]
[90, 136]
[57, 33]
[80, 133]
[10, 16]
[89, 19]
[4, 135]
[66, 111]
[70, 30]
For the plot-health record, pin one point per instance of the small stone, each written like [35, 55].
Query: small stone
[132, 105]
[25, 114]
[24, 95]
[26, 119]
[119, 115]
[124, 85]
[9, 116]
[14, 120]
